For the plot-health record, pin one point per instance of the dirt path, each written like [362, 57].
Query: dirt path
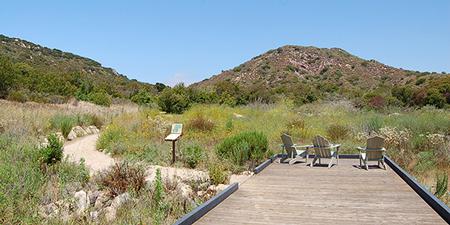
[84, 147]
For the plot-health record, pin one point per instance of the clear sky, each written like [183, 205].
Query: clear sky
[173, 41]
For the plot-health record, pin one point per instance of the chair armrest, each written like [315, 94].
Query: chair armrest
[361, 149]
[303, 146]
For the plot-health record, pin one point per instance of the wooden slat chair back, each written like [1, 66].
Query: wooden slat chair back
[294, 152]
[374, 149]
[288, 145]
[322, 147]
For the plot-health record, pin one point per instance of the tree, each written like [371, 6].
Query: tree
[7, 76]
[435, 98]
[174, 100]
[143, 98]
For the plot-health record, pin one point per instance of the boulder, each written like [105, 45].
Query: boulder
[110, 211]
[93, 195]
[72, 135]
[101, 200]
[93, 129]
[184, 190]
[79, 131]
[120, 200]
[82, 201]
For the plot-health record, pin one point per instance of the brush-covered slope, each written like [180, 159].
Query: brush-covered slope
[39, 73]
[296, 63]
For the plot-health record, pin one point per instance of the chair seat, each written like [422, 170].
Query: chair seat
[364, 155]
[302, 152]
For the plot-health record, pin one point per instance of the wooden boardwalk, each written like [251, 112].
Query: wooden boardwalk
[343, 194]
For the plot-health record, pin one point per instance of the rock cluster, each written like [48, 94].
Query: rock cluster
[91, 203]
[79, 131]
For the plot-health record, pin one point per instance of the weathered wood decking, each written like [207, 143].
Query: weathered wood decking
[343, 194]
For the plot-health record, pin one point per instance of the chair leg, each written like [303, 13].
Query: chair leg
[337, 159]
[384, 165]
[314, 161]
[331, 163]
[320, 162]
[360, 163]
[307, 157]
[367, 166]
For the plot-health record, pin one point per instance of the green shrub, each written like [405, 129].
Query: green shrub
[373, 124]
[21, 181]
[243, 147]
[143, 98]
[63, 123]
[337, 132]
[100, 98]
[229, 125]
[53, 152]
[17, 96]
[217, 174]
[426, 162]
[159, 204]
[174, 100]
[112, 134]
[441, 184]
[192, 155]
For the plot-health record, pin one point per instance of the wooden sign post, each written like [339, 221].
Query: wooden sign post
[175, 134]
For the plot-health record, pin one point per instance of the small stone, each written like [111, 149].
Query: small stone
[94, 215]
[101, 200]
[120, 200]
[82, 201]
[93, 195]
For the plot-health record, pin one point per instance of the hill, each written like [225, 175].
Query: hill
[309, 73]
[32, 72]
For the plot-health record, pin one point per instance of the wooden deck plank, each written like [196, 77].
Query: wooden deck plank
[343, 194]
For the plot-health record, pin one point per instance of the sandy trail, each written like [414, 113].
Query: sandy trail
[84, 147]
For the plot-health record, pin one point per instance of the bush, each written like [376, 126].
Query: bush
[63, 123]
[174, 100]
[53, 152]
[337, 132]
[373, 124]
[100, 98]
[17, 96]
[243, 147]
[217, 174]
[111, 135]
[192, 155]
[122, 177]
[441, 184]
[435, 98]
[229, 125]
[143, 98]
[201, 123]
[159, 205]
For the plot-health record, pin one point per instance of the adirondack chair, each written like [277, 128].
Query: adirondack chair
[323, 149]
[294, 152]
[374, 151]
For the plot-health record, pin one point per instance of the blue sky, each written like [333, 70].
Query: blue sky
[173, 41]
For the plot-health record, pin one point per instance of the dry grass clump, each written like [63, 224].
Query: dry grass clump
[200, 123]
[338, 132]
[121, 178]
